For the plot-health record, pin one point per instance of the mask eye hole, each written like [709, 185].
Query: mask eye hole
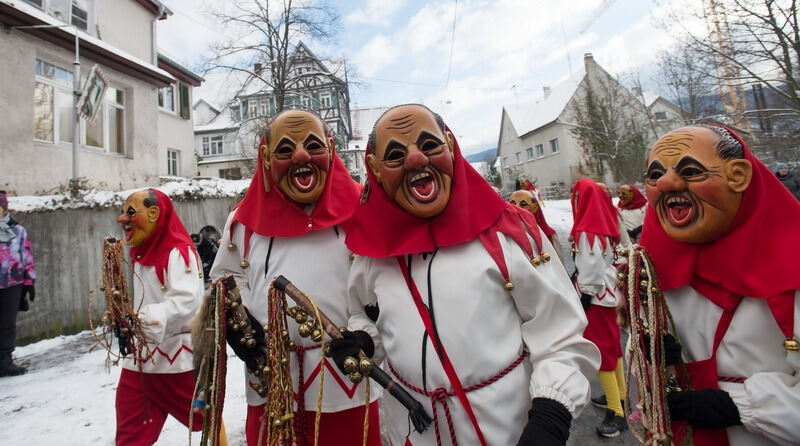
[395, 155]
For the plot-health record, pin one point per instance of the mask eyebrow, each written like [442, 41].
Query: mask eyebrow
[427, 135]
[687, 160]
[284, 140]
[313, 138]
[655, 164]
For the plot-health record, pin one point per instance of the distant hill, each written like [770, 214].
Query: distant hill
[481, 156]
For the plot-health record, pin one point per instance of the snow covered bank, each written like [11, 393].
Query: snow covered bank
[180, 190]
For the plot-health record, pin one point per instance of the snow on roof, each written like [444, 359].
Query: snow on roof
[223, 121]
[41, 15]
[182, 190]
[649, 98]
[362, 120]
[527, 117]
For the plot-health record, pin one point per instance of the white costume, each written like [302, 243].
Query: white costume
[166, 312]
[769, 398]
[485, 330]
[632, 218]
[596, 272]
[318, 264]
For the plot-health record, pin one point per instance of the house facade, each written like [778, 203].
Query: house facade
[537, 141]
[131, 142]
[228, 141]
[363, 119]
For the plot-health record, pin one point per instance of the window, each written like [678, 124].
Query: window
[305, 102]
[212, 145]
[172, 162]
[519, 157]
[74, 12]
[539, 150]
[554, 145]
[107, 132]
[53, 115]
[660, 116]
[166, 98]
[183, 89]
[80, 16]
[233, 173]
[325, 100]
[262, 107]
[529, 152]
[235, 114]
[245, 113]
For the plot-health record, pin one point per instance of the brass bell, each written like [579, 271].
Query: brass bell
[262, 392]
[232, 303]
[291, 345]
[643, 284]
[251, 343]
[284, 360]
[244, 264]
[350, 365]
[116, 293]
[235, 326]
[278, 422]
[621, 277]
[545, 257]
[355, 377]
[304, 330]
[300, 317]
[188, 270]
[284, 333]
[291, 311]
[326, 350]
[654, 290]
[365, 366]
[791, 345]
[316, 335]
[163, 288]
[643, 272]
[231, 247]
[266, 370]
[536, 261]
[245, 323]
[509, 287]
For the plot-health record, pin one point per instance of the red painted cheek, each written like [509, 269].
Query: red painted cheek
[139, 221]
[652, 194]
[322, 161]
[443, 162]
[278, 168]
[391, 179]
[711, 191]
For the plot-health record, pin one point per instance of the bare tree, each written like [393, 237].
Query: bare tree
[611, 129]
[685, 77]
[264, 36]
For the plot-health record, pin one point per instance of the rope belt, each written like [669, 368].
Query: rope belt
[440, 395]
[731, 379]
[300, 395]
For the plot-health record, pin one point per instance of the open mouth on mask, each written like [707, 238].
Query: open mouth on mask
[128, 228]
[679, 209]
[422, 186]
[304, 178]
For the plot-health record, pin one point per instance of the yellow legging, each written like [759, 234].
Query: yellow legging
[613, 383]
[223, 437]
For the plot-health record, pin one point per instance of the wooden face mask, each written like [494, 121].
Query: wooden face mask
[625, 194]
[413, 160]
[139, 217]
[525, 200]
[695, 192]
[298, 155]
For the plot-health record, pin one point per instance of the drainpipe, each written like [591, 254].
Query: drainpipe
[154, 35]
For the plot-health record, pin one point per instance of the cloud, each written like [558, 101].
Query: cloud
[375, 12]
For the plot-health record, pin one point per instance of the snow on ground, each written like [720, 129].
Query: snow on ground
[67, 396]
[183, 189]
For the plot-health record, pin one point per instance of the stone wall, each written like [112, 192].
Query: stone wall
[67, 248]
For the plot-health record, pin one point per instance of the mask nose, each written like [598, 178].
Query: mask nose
[415, 159]
[300, 155]
[670, 182]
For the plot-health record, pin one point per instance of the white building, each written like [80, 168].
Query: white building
[226, 144]
[143, 130]
[363, 120]
[536, 141]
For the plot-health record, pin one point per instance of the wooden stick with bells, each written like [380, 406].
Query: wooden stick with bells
[356, 369]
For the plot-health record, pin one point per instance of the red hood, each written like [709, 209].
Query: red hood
[637, 202]
[594, 213]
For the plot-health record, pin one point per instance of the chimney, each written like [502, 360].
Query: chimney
[546, 91]
[588, 57]
[257, 68]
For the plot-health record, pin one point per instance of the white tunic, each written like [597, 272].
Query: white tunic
[769, 399]
[484, 329]
[596, 272]
[318, 264]
[632, 218]
[166, 314]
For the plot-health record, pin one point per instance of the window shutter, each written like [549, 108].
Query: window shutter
[184, 94]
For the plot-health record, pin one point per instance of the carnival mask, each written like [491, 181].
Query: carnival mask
[413, 160]
[695, 192]
[625, 194]
[525, 200]
[139, 217]
[298, 155]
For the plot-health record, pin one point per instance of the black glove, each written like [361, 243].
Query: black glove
[704, 409]
[349, 345]
[672, 349]
[548, 424]
[586, 301]
[30, 291]
[246, 354]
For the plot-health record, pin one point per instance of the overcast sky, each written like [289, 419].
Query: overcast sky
[503, 51]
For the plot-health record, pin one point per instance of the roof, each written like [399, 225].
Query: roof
[649, 98]
[156, 7]
[208, 104]
[223, 121]
[179, 71]
[363, 119]
[19, 13]
[527, 117]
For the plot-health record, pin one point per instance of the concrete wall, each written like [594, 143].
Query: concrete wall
[176, 133]
[22, 156]
[551, 168]
[67, 248]
[128, 26]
